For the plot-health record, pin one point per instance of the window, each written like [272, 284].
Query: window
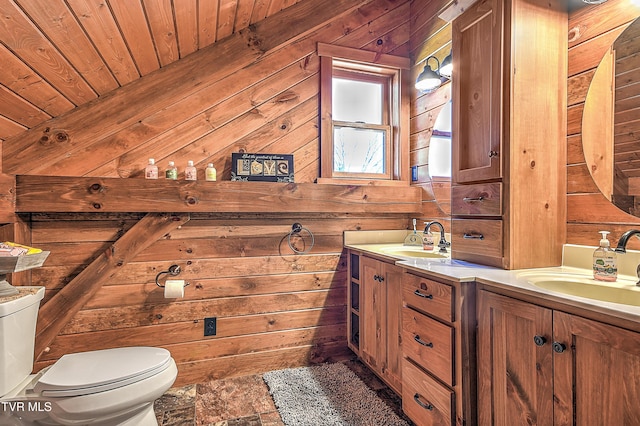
[360, 124]
[362, 131]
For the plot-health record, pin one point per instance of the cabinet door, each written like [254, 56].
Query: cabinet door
[597, 368]
[373, 304]
[477, 91]
[393, 288]
[515, 362]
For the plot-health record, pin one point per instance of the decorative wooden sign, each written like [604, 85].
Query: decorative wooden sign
[261, 167]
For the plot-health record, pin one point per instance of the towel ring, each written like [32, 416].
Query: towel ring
[173, 270]
[297, 229]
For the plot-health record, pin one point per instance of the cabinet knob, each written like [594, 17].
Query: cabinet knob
[539, 340]
[493, 154]
[425, 405]
[559, 347]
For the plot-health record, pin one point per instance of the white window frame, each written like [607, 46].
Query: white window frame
[337, 60]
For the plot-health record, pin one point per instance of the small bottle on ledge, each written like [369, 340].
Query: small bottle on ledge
[210, 173]
[190, 172]
[171, 172]
[151, 171]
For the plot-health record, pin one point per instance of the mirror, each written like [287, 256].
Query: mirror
[440, 145]
[612, 113]
[439, 159]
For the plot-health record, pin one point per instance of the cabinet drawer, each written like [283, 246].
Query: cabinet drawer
[478, 236]
[428, 343]
[424, 400]
[428, 296]
[476, 200]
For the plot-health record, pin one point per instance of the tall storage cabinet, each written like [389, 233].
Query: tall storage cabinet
[509, 129]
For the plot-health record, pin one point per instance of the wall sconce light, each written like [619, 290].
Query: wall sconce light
[429, 79]
[446, 67]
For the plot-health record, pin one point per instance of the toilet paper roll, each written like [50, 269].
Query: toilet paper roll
[173, 289]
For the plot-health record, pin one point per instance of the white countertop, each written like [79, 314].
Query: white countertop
[512, 281]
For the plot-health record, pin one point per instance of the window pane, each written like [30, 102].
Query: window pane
[355, 100]
[358, 150]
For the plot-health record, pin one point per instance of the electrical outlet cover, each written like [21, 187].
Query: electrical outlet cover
[210, 326]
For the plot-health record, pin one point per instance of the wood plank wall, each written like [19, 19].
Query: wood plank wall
[592, 30]
[430, 35]
[274, 308]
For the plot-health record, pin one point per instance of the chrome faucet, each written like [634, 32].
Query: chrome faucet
[443, 244]
[622, 247]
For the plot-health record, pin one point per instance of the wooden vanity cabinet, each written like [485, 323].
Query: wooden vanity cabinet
[538, 365]
[379, 320]
[508, 139]
[438, 344]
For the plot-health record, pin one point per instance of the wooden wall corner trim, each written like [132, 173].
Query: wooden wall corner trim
[61, 308]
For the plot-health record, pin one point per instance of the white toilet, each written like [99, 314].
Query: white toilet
[106, 387]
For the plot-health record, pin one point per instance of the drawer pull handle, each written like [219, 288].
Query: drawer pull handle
[473, 236]
[472, 199]
[493, 154]
[426, 406]
[426, 296]
[422, 342]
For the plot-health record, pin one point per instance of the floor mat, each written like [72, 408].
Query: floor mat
[327, 394]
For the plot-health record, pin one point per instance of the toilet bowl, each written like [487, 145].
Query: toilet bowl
[103, 388]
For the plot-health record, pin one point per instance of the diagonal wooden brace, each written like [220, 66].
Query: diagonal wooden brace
[61, 308]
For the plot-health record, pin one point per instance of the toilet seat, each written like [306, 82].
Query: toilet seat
[86, 373]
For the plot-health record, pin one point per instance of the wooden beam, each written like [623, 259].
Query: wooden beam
[57, 312]
[111, 195]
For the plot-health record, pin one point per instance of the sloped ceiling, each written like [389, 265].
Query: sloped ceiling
[58, 54]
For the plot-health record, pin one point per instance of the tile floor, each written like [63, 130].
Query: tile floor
[242, 401]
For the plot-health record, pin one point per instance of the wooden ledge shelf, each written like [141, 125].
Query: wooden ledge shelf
[115, 195]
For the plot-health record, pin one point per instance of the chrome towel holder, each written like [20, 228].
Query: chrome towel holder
[298, 230]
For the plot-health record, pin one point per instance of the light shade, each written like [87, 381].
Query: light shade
[446, 68]
[429, 79]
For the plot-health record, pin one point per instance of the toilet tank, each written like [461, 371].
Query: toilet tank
[18, 316]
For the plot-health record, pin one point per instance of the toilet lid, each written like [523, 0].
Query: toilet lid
[99, 371]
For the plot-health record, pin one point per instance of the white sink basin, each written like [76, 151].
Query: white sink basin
[623, 291]
[411, 252]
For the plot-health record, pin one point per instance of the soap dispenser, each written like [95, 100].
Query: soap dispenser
[605, 267]
[427, 238]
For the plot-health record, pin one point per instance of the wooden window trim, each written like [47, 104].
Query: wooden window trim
[357, 59]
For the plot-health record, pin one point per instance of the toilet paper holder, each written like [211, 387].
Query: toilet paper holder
[173, 270]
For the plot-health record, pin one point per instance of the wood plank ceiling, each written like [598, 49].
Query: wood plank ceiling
[59, 54]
